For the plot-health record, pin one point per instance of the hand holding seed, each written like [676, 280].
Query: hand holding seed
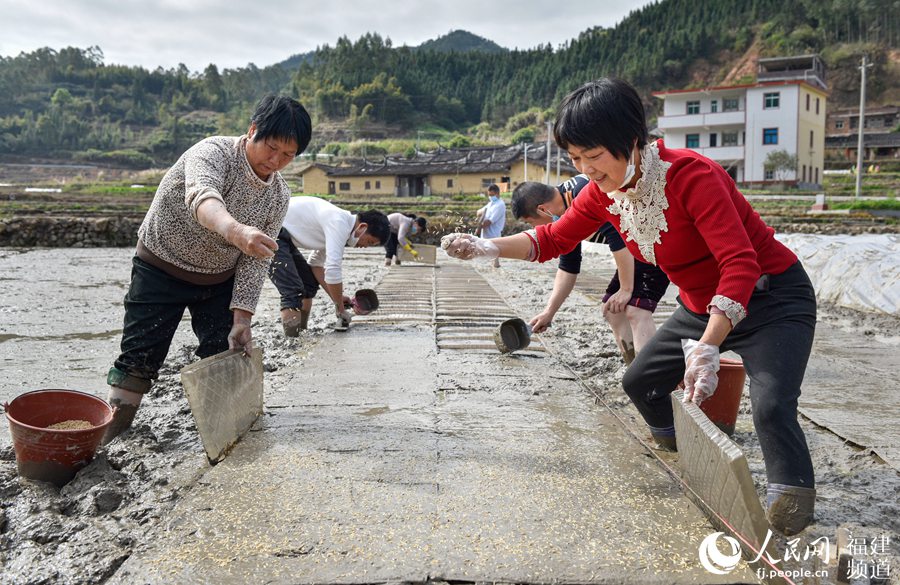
[467, 247]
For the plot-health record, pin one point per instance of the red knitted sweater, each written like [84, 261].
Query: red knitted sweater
[714, 243]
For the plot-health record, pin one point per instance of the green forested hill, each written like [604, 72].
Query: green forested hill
[68, 102]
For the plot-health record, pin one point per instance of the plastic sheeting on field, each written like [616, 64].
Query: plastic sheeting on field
[858, 272]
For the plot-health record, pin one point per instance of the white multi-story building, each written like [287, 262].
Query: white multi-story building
[738, 126]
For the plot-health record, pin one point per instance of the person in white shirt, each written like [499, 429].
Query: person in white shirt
[402, 225]
[325, 229]
[493, 216]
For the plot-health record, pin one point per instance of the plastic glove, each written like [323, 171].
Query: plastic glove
[342, 323]
[700, 377]
[541, 321]
[240, 336]
[467, 247]
[252, 241]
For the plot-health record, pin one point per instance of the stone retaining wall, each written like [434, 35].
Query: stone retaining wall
[69, 232]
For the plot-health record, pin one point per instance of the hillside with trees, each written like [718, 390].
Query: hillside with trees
[68, 103]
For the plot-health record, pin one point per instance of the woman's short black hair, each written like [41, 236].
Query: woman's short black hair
[282, 118]
[606, 112]
[423, 223]
[528, 195]
[377, 224]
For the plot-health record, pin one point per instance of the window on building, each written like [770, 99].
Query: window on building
[807, 102]
[449, 183]
[804, 173]
[692, 141]
[854, 122]
[714, 106]
[811, 135]
[368, 185]
[771, 100]
[816, 180]
[729, 139]
[730, 105]
[817, 106]
[713, 139]
[770, 175]
[344, 186]
[693, 107]
[770, 135]
[378, 184]
[838, 124]
[485, 183]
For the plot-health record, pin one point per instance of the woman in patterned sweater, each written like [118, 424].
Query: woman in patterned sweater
[205, 245]
[739, 288]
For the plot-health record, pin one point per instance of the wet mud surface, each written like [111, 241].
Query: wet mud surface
[60, 321]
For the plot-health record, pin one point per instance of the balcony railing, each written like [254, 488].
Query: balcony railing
[736, 118]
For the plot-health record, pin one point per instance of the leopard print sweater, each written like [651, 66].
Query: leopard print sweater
[217, 168]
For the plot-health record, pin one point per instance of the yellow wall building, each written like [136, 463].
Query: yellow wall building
[443, 172]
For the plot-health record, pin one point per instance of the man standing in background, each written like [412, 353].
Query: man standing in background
[493, 216]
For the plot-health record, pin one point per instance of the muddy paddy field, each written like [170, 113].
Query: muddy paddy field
[60, 321]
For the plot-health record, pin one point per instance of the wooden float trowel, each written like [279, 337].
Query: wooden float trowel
[225, 392]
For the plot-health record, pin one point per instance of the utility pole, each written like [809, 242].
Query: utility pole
[525, 160]
[862, 122]
[547, 175]
[558, 157]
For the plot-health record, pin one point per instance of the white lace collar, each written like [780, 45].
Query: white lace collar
[641, 207]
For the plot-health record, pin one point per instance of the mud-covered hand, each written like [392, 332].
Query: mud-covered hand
[617, 302]
[251, 241]
[701, 366]
[467, 247]
[541, 321]
[240, 336]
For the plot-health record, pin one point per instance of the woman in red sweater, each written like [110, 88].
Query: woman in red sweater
[739, 288]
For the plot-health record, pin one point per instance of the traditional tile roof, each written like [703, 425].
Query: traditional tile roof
[473, 160]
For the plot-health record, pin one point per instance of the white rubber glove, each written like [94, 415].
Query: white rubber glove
[467, 247]
[342, 323]
[700, 377]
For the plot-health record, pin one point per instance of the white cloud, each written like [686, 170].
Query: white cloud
[233, 33]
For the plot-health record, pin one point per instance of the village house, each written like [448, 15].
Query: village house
[738, 126]
[881, 139]
[443, 172]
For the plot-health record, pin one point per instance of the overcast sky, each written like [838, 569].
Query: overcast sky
[233, 33]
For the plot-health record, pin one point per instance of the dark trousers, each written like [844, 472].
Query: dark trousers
[154, 306]
[774, 341]
[390, 247]
[291, 273]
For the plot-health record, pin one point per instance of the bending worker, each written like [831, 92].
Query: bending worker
[740, 289]
[634, 290]
[205, 245]
[402, 225]
[325, 229]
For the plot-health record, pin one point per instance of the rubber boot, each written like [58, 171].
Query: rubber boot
[790, 508]
[125, 405]
[293, 321]
[664, 437]
[387, 261]
[397, 260]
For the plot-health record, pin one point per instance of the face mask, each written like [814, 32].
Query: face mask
[354, 239]
[494, 198]
[629, 171]
[550, 215]
[414, 229]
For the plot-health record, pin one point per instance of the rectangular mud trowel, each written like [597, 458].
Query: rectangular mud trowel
[225, 392]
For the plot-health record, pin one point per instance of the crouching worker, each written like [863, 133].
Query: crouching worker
[205, 245]
[634, 290]
[402, 225]
[325, 229]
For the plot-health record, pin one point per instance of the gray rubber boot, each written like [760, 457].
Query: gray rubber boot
[664, 438]
[125, 404]
[293, 322]
[790, 508]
